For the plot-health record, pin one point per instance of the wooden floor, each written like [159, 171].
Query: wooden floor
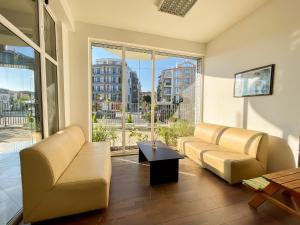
[10, 186]
[199, 198]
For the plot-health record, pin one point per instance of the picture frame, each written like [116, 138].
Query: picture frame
[254, 82]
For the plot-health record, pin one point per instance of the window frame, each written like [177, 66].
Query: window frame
[43, 56]
[199, 79]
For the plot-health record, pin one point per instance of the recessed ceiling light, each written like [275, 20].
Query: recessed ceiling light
[176, 7]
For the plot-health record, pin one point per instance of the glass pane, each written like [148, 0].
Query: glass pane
[138, 97]
[50, 41]
[107, 95]
[24, 15]
[20, 114]
[52, 97]
[175, 97]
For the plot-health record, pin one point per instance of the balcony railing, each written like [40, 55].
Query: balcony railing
[107, 121]
[16, 116]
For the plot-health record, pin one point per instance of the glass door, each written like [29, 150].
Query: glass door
[20, 115]
[138, 97]
[106, 84]
[28, 90]
[176, 102]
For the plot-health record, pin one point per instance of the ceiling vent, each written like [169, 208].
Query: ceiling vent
[176, 7]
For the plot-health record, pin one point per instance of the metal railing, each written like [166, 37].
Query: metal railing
[107, 121]
[13, 116]
[140, 113]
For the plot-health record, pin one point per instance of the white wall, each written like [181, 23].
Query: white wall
[269, 35]
[79, 67]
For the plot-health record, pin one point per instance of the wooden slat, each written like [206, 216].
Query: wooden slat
[281, 173]
[281, 205]
[286, 179]
[292, 185]
[297, 191]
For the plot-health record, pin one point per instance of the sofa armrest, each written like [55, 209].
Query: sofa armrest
[238, 170]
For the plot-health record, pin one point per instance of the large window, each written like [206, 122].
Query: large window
[28, 90]
[142, 95]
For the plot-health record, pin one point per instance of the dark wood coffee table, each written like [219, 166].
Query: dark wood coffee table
[164, 162]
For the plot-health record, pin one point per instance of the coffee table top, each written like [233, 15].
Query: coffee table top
[163, 151]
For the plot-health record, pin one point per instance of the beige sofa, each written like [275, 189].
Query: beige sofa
[64, 175]
[234, 154]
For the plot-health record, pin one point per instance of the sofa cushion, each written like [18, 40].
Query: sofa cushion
[182, 141]
[231, 166]
[209, 133]
[91, 164]
[241, 141]
[218, 159]
[75, 137]
[194, 150]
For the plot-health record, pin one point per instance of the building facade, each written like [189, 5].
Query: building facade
[175, 83]
[107, 85]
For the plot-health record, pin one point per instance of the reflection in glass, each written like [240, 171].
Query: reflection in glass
[24, 15]
[175, 113]
[107, 95]
[50, 42]
[52, 97]
[20, 112]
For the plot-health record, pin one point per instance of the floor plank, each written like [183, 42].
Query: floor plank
[199, 198]
[10, 186]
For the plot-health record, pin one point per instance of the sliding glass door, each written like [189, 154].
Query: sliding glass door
[107, 95]
[175, 111]
[140, 95]
[28, 90]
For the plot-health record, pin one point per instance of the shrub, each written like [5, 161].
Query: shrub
[147, 116]
[101, 133]
[94, 118]
[138, 135]
[129, 119]
[175, 130]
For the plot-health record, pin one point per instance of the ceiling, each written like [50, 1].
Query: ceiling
[206, 20]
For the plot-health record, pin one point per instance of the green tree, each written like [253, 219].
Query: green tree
[147, 99]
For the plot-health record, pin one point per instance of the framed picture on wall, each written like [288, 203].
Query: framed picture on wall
[254, 82]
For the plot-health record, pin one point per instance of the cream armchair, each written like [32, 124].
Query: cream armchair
[64, 175]
[234, 154]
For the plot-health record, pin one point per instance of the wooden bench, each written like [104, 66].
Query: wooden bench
[268, 185]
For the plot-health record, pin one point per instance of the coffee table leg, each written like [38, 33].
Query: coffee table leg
[142, 157]
[164, 171]
[259, 198]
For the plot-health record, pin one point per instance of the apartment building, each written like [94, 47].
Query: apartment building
[174, 83]
[107, 84]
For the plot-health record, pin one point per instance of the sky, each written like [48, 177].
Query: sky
[23, 79]
[15, 78]
[143, 66]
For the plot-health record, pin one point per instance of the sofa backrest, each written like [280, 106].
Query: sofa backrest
[208, 132]
[253, 143]
[43, 163]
